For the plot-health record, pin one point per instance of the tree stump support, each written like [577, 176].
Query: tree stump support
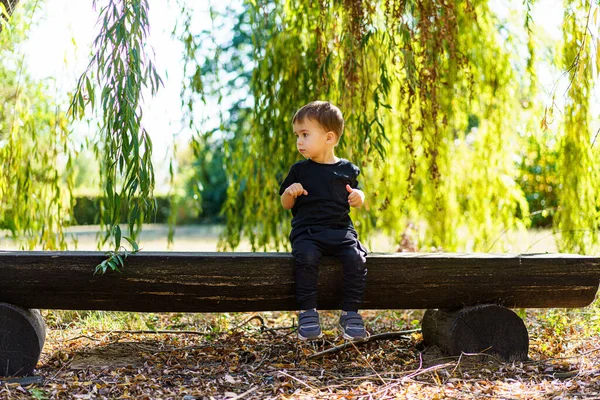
[22, 337]
[488, 328]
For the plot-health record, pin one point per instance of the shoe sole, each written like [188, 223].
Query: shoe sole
[354, 339]
[305, 339]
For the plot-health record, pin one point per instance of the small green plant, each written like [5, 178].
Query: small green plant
[116, 258]
[38, 394]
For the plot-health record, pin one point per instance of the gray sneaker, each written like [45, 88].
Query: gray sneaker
[309, 326]
[352, 326]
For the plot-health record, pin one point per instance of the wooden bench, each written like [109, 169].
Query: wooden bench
[467, 296]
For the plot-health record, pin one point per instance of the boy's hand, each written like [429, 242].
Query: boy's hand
[295, 190]
[356, 197]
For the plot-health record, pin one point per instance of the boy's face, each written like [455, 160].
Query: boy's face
[311, 138]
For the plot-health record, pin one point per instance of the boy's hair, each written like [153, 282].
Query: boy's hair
[326, 114]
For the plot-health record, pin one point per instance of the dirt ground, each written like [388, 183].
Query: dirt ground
[257, 356]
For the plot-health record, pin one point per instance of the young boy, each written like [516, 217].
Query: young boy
[320, 191]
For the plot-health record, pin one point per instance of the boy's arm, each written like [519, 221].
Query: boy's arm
[356, 197]
[288, 198]
[290, 189]
[287, 201]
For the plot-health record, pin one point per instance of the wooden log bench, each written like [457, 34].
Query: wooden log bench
[467, 296]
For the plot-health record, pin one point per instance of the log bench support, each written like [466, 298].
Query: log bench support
[488, 328]
[22, 337]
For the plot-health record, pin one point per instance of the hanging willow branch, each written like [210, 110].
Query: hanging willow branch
[578, 216]
[121, 68]
[408, 79]
[435, 108]
[35, 196]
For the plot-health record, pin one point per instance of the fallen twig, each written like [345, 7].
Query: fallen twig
[247, 392]
[82, 336]
[412, 375]
[296, 379]
[263, 328]
[168, 332]
[379, 336]
[368, 363]
[562, 358]
[281, 328]
[23, 381]
[258, 317]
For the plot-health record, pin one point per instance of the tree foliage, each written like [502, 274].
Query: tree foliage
[407, 98]
[436, 101]
[441, 101]
[121, 68]
[35, 181]
[578, 219]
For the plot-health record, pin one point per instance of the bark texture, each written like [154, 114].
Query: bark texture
[487, 328]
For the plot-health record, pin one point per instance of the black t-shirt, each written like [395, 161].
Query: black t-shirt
[326, 204]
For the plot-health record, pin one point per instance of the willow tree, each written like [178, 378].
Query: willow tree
[432, 97]
[579, 196]
[409, 78]
[35, 181]
[431, 91]
[36, 135]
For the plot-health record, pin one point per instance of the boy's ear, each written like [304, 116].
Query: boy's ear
[331, 136]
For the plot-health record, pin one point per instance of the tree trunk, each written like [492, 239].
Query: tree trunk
[22, 336]
[489, 329]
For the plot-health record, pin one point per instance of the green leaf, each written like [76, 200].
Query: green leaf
[120, 260]
[117, 236]
[113, 264]
[133, 244]
[90, 90]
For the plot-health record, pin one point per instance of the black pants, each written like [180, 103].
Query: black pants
[310, 245]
